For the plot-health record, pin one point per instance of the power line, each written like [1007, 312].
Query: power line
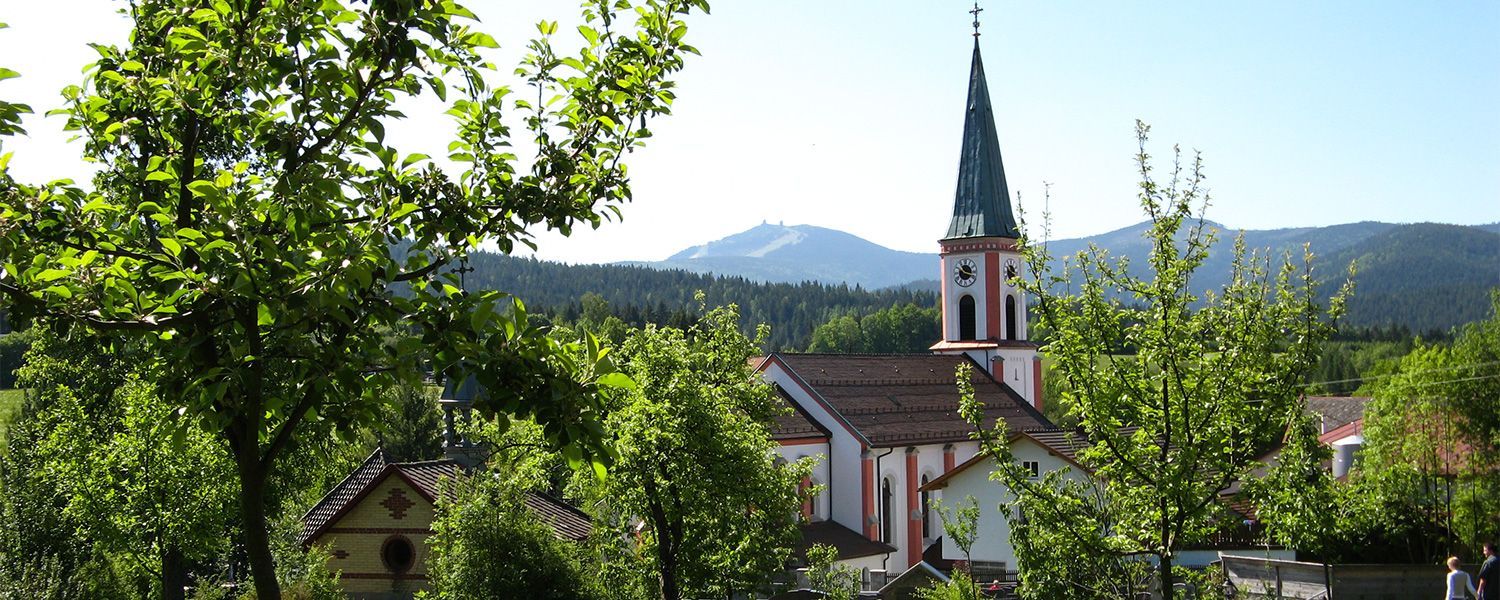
[1438, 370]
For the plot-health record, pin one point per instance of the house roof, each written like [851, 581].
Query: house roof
[795, 423]
[905, 399]
[334, 502]
[1337, 411]
[566, 522]
[1061, 442]
[981, 203]
[847, 542]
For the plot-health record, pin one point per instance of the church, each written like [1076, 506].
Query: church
[886, 428]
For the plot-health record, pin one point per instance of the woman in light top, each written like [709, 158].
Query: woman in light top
[1460, 586]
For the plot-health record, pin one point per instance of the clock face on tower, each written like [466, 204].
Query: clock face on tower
[1011, 268]
[965, 273]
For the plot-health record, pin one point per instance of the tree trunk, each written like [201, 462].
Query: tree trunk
[257, 538]
[174, 574]
[668, 582]
[1166, 574]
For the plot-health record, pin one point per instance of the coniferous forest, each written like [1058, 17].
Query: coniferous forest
[639, 295]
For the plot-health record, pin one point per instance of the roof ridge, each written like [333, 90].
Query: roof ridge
[378, 452]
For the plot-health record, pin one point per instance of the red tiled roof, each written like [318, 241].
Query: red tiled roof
[567, 523]
[906, 399]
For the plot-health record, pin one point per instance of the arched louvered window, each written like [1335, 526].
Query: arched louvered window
[966, 318]
[885, 510]
[926, 509]
[1010, 318]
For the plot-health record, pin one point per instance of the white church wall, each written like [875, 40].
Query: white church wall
[820, 471]
[1015, 368]
[844, 500]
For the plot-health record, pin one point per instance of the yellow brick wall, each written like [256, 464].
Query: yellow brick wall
[355, 540]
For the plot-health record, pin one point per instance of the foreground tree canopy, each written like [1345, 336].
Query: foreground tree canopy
[1214, 383]
[244, 219]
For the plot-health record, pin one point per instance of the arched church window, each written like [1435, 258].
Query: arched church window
[885, 511]
[966, 318]
[1010, 317]
[926, 510]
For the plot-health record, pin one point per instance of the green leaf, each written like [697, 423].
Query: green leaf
[7, 73]
[51, 275]
[263, 315]
[480, 40]
[202, 188]
[172, 246]
[617, 380]
[160, 176]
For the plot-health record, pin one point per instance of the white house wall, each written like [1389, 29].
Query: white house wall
[993, 542]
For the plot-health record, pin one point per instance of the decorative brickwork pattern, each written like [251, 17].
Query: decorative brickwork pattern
[341, 554]
[397, 503]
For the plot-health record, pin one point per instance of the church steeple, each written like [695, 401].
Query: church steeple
[981, 205]
[984, 310]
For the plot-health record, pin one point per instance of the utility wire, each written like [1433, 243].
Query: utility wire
[1438, 370]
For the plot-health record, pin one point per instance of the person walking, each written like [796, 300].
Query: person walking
[1489, 574]
[1460, 587]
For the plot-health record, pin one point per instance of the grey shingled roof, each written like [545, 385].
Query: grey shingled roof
[1337, 411]
[981, 204]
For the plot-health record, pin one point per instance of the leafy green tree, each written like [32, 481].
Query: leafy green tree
[13, 347]
[1083, 559]
[696, 466]
[412, 428]
[243, 223]
[961, 526]
[1432, 449]
[487, 544]
[896, 329]
[824, 574]
[1213, 383]
[130, 483]
[1297, 501]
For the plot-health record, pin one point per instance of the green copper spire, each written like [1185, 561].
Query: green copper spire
[981, 206]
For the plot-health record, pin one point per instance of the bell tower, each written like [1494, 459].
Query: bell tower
[984, 312]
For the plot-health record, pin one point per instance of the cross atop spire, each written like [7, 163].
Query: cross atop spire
[976, 12]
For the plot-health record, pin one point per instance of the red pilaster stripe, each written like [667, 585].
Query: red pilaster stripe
[807, 500]
[1036, 381]
[913, 526]
[947, 458]
[992, 300]
[943, 292]
[868, 477]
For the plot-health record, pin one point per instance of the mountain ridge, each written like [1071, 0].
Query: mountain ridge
[1423, 275]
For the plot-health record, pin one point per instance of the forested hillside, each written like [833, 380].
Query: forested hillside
[639, 295]
[1424, 276]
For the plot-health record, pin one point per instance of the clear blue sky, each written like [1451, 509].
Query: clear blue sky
[847, 114]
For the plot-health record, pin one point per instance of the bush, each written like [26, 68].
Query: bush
[487, 544]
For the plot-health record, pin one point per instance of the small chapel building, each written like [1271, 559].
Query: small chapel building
[887, 427]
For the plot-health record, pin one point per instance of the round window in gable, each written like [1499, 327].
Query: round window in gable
[398, 554]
